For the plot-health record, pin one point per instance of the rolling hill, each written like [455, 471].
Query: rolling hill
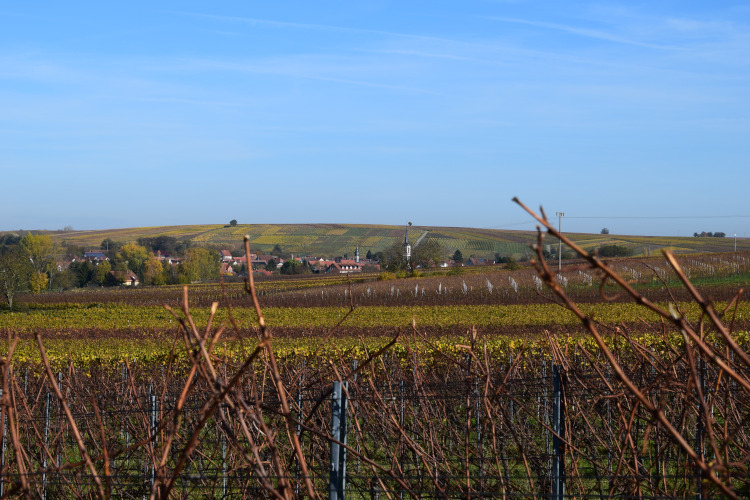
[339, 239]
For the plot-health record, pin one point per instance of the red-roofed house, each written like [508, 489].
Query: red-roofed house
[344, 267]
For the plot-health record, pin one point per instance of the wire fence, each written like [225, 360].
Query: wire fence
[530, 428]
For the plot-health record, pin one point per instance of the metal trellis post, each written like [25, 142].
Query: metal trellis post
[558, 426]
[337, 480]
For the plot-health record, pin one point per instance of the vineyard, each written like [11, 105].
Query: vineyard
[625, 379]
[331, 240]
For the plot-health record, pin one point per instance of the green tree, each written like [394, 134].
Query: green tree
[9, 239]
[101, 275]
[428, 254]
[233, 222]
[200, 264]
[153, 271]
[279, 252]
[38, 282]
[63, 279]
[458, 257]
[271, 266]
[134, 256]
[109, 245]
[605, 230]
[614, 251]
[171, 273]
[392, 258]
[41, 251]
[163, 244]
[293, 266]
[84, 272]
[15, 271]
[511, 264]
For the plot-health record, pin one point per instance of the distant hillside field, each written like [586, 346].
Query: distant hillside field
[338, 239]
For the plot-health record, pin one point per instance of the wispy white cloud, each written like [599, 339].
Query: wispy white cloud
[372, 84]
[197, 102]
[584, 32]
[431, 55]
[314, 26]
[321, 68]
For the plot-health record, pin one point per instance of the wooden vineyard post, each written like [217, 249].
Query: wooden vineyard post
[512, 409]
[545, 412]
[354, 411]
[2, 450]
[402, 457]
[699, 431]
[478, 417]
[558, 428]
[337, 480]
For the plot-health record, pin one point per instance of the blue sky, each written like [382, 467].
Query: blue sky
[622, 115]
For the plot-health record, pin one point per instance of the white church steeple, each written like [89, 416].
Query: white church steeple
[407, 246]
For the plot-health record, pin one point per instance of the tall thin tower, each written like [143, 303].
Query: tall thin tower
[407, 247]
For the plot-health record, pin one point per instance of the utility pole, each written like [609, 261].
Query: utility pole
[560, 215]
[735, 242]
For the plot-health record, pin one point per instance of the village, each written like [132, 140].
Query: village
[129, 264]
[266, 264]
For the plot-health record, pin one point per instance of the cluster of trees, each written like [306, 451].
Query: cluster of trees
[294, 266]
[509, 261]
[198, 264]
[427, 254]
[26, 263]
[614, 251]
[167, 245]
[550, 253]
[290, 266]
[709, 234]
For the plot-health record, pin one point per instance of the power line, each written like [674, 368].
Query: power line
[662, 217]
[631, 217]
[514, 224]
[627, 217]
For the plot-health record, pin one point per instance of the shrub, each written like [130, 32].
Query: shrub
[615, 251]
